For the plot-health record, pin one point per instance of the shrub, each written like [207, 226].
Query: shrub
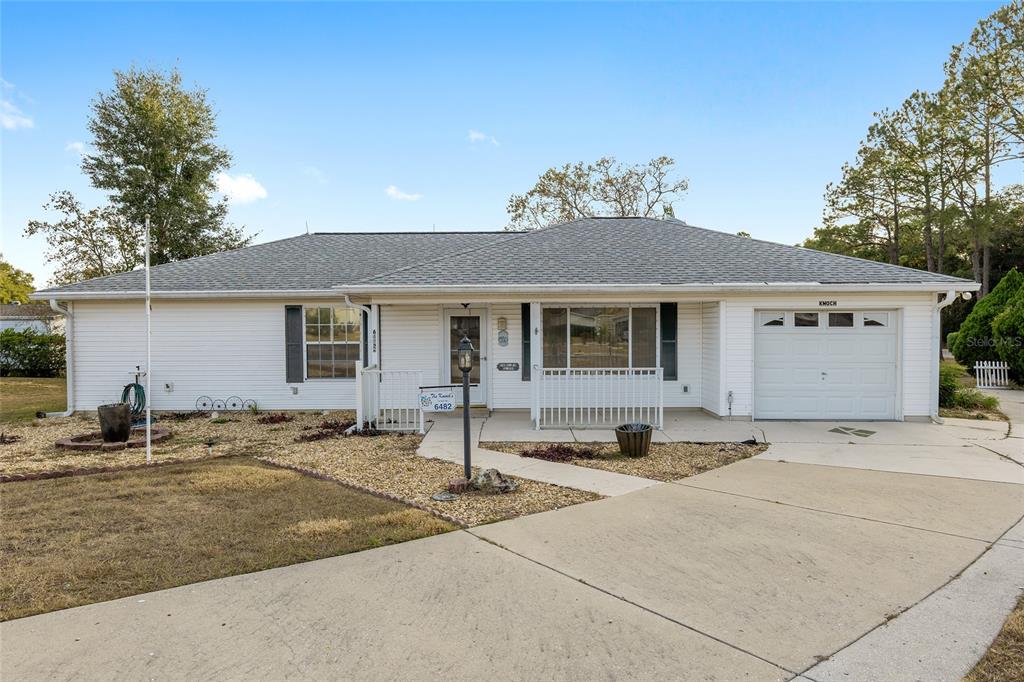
[1008, 333]
[558, 452]
[31, 354]
[951, 340]
[972, 398]
[949, 383]
[276, 418]
[974, 341]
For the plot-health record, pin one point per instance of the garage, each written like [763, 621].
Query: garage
[825, 364]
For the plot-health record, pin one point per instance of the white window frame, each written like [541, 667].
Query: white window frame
[789, 319]
[629, 351]
[305, 343]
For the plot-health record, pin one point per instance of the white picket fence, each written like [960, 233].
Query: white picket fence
[992, 374]
[597, 398]
[389, 399]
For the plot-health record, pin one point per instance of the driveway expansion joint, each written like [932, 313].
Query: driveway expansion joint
[646, 609]
[829, 511]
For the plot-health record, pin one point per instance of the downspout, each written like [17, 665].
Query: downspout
[951, 296]
[69, 357]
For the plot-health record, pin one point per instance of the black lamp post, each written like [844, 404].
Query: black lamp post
[466, 365]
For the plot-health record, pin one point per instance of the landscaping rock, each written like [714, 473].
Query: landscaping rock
[493, 481]
[458, 485]
[444, 496]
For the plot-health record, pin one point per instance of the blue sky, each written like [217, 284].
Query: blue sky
[327, 105]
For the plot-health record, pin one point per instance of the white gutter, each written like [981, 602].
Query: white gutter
[69, 333]
[350, 304]
[951, 296]
[657, 289]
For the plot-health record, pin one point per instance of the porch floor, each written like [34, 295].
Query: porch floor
[444, 441]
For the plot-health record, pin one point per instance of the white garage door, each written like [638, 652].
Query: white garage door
[825, 365]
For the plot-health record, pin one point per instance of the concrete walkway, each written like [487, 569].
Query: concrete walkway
[444, 441]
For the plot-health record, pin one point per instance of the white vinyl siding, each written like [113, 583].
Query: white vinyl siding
[508, 390]
[710, 357]
[688, 347]
[217, 349]
[412, 337]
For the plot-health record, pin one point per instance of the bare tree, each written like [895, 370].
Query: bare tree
[603, 188]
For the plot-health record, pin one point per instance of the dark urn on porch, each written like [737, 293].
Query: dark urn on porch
[634, 439]
[115, 422]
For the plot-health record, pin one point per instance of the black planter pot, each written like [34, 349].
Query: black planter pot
[634, 439]
[115, 422]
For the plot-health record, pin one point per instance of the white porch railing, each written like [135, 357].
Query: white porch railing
[992, 374]
[595, 398]
[389, 399]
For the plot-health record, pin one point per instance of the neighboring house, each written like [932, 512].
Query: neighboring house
[35, 316]
[581, 323]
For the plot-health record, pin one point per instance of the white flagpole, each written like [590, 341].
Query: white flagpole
[149, 357]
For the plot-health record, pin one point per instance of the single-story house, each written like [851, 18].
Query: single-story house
[589, 322]
[37, 317]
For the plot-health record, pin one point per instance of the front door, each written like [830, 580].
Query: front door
[469, 323]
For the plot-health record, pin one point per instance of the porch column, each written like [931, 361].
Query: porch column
[536, 361]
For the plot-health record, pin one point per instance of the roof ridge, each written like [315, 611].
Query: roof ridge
[418, 264]
[513, 234]
[416, 232]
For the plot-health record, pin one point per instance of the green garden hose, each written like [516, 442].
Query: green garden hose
[135, 395]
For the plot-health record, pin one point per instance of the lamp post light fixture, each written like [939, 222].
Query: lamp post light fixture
[466, 365]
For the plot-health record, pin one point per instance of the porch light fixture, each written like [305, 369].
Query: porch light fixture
[466, 365]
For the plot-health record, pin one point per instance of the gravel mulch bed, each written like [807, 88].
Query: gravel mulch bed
[386, 464]
[665, 461]
[390, 464]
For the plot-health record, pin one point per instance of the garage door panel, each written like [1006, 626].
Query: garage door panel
[825, 373]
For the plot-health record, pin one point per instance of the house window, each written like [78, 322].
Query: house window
[601, 337]
[773, 319]
[332, 342]
[876, 319]
[805, 319]
[840, 319]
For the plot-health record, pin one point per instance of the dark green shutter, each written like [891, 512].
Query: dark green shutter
[669, 346]
[527, 335]
[365, 327]
[293, 344]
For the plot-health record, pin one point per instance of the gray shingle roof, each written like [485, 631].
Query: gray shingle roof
[311, 261]
[645, 251]
[597, 251]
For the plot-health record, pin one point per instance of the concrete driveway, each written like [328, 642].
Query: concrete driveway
[755, 571]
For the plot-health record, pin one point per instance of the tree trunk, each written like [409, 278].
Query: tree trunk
[929, 247]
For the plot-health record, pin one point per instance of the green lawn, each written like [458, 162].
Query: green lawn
[22, 397]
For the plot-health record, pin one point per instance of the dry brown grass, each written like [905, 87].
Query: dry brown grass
[665, 461]
[386, 464]
[22, 397]
[72, 541]
[1004, 660]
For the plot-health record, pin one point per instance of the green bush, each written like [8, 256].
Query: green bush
[974, 341]
[951, 340]
[949, 382]
[972, 398]
[31, 354]
[1008, 334]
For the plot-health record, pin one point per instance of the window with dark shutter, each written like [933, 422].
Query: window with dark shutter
[669, 333]
[527, 335]
[294, 373]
